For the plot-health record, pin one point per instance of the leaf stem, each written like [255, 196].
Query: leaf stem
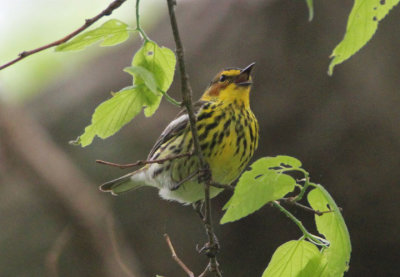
[88, 22]
[170, 99]
[303, 190]
[138, 26]
[306, 184]
[312, 238]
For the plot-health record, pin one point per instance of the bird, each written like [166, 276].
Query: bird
[228, 134]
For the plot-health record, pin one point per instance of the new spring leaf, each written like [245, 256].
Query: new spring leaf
[111, 32]
[153, 71]
[361, 26]
[114, 113]
[158, 60]
[336, 257]
[258, 186]
[296, 258]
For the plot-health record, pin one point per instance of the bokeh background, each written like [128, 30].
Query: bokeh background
[345, 129]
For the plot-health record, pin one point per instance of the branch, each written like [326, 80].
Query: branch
[205, 271]
[88, 22]
[176, 258]
[144, 162]
[52, 257]
[186, 91]
[292, 201]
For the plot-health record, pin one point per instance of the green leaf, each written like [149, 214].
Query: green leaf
[275, 163]
[153, 70]
[143, 76]
[160, 61]
[286, 161]
[111, 32]
[337, 256]
[152, 103]
[111, 115]
[258, 186]
[294, 259]
[310, 6]
[361, 26]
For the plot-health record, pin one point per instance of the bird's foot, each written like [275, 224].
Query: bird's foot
[210, 249]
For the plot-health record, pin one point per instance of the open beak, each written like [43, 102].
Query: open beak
[243, 79]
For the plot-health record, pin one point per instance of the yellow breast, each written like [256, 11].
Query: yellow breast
[229, 145]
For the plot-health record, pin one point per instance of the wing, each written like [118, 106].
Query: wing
[175, 127]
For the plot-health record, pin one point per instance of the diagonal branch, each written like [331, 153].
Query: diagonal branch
[176, 258]
[88, 22]
[144, 162]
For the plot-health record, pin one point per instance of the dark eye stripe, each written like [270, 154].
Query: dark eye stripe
[229, 78]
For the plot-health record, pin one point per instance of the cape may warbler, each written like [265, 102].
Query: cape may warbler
[228, 136]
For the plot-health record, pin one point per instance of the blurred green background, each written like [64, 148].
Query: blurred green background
[345, 129]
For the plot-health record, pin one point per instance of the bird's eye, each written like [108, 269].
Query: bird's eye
[222, 78]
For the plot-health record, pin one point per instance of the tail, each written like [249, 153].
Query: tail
[130, 181]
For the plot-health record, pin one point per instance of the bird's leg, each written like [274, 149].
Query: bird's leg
[188, 178]
[207, 249]
[198, 207]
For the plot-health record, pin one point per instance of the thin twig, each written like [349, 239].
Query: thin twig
[176, 258]
[291, 201]
[186, 91]
[55, 251]
[205, 271]
[187, 102]
[88, 22]
[144, 162]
